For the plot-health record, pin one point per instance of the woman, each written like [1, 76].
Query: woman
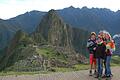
[100, 55]
[110, 47]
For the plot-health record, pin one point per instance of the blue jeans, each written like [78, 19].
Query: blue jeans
[108, 69]
[105, 66]
[100, 66]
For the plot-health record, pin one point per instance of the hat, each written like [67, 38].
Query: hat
[93, 33]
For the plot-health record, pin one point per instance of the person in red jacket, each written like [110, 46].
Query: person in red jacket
[91, 45]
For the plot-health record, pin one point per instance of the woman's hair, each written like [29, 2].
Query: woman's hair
[107, 33]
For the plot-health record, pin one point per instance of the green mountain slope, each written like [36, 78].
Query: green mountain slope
[6, 33]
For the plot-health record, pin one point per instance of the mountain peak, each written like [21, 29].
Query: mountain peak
[50, 21]
[85, 7]
[52, 10]
[1, 19]
[51, 18]
[52, 13]
[72, 7]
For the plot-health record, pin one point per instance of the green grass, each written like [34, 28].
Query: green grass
[47, 52]
[115, 60]
[63, 69]
[57, 69]
[81, 67]
[74, 68]
[50, 53]
[22, 73]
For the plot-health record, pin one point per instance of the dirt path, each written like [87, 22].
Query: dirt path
[78, 75]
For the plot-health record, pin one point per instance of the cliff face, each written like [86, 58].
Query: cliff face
[54, 30]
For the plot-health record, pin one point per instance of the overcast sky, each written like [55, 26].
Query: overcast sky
[12, 8]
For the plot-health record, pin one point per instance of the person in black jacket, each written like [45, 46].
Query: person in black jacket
[91, 45]
[100, 55]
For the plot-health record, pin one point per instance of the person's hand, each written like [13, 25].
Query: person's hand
[94, 48]
[107, 51]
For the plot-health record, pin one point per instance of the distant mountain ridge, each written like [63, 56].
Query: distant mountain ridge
[93, 19]
[28, 20]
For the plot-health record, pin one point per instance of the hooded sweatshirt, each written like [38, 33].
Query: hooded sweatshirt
[100, 50]
[91, 44]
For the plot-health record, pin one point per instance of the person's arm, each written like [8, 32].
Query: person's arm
[89, 47]
[112, 48]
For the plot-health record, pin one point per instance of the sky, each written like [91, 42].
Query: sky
[12, 8]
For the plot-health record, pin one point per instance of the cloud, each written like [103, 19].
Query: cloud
[12, 8]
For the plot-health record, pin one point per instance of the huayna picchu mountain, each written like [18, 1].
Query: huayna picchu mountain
[54, 31]
[57, 33]
[53, 44]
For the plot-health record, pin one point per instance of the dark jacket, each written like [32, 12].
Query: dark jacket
[100, 51]
[91, 44]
